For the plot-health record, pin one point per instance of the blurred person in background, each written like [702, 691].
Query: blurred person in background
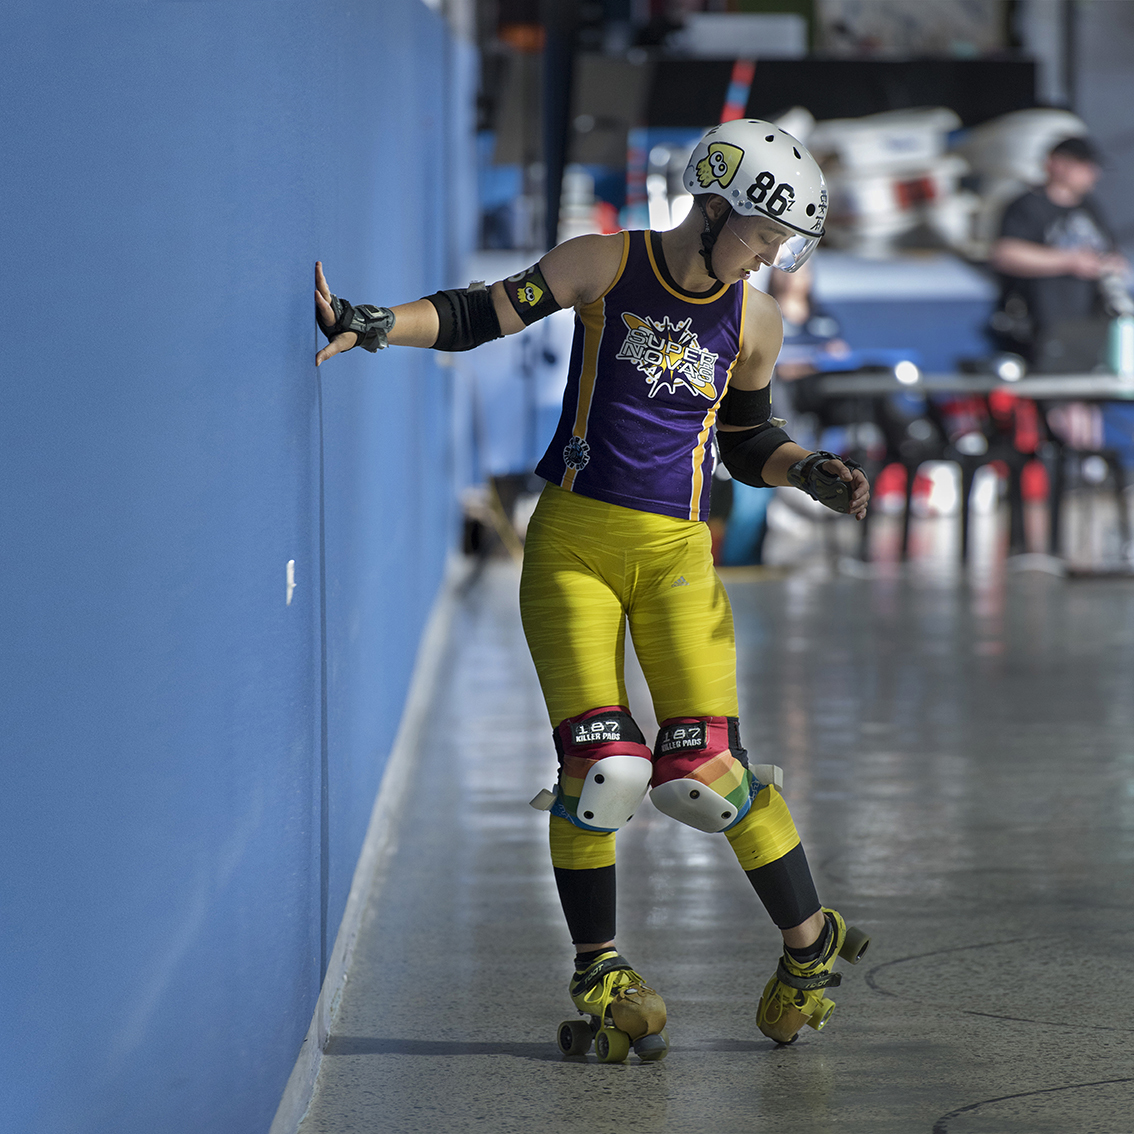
[1054, 249]
[1060, 277]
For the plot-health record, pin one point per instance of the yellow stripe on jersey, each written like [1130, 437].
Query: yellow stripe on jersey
[710, 419]
[698, 462]
[593, 317]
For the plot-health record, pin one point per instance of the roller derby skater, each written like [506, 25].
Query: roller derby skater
[671, 350]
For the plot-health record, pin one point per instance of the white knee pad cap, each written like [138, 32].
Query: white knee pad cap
[692, 803]
[613, 790]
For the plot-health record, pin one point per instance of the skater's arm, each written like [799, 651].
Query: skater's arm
[577, 272]
[774, 474]
[763, 337]
[760, 346]
[415, 324]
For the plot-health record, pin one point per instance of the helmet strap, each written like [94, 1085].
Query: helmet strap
[709, 235]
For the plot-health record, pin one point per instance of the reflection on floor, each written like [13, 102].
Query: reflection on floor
[959, 757]
[1090, 537]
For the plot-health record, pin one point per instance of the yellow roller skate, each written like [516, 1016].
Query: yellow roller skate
[794, 996]
[624, 1012]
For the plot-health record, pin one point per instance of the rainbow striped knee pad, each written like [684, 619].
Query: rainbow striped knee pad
[698, 772]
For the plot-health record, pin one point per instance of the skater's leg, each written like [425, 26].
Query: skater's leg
[573, 617]
[604, 771]
[684, 639]
[624, 1011]
[583, 862]
[768, 848]
[681, 624]
[683, 636]
[575, 627]
[805, 936]
[574, 620]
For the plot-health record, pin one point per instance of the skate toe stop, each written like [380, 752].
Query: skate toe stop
[651, 1048]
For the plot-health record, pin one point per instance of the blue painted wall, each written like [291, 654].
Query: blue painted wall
[187, 764]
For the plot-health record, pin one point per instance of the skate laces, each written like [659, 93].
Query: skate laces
[608, 978]
[775, 1004]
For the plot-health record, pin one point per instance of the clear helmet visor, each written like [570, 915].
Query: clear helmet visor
[772, 242]
[794, 251]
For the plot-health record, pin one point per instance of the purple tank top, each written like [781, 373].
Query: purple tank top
[649, 366]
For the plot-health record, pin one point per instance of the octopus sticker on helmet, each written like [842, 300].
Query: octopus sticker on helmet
[719, 165]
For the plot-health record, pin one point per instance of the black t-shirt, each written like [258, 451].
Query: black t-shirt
[1052, 299]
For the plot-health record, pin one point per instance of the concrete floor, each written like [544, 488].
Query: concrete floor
[959, 758]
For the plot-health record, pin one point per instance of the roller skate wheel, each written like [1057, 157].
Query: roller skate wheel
[652, 1048]
[822, 1014]
[574, 1037]
[612, 1045]
[854, 945]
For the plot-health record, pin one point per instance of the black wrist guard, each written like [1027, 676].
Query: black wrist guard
[745, 453]
[370, 324]
[828, 488]
[745, 407]
[466, 317]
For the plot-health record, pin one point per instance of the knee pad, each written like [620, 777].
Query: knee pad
[701, 774]
[604, 770]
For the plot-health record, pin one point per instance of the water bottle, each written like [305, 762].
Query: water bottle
[1120, 347]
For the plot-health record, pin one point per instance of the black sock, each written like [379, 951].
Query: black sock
[812, 952]
[582, 960]
[785, 887]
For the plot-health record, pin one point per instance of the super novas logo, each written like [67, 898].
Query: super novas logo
[669, 355]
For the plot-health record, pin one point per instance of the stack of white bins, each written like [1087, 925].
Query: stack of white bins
[890, 177]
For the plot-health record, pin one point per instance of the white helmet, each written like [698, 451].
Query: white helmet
[762, 171]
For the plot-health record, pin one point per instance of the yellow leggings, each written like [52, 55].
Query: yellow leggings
[591, 567]
[588, 568]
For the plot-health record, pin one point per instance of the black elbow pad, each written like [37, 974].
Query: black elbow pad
[745, 407]
[466, 318]
[745, 453]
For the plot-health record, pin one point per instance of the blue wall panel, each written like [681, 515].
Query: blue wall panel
[179, 813]
[941, 332]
